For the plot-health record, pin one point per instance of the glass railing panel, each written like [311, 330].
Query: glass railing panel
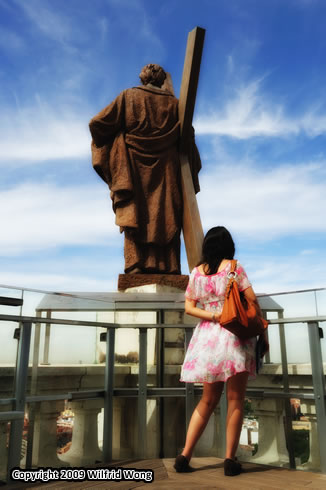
[76, 356]
[69, 345]
[9, 345]
[5, 428]
[7, 329]
[320, 296]
[249, 437]
[127, 346]
[305, 439]
[297, 343]
[274, 340]
[263, 438]
[322, 325]
[296, 304]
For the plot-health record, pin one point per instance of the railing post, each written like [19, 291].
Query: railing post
[286, 388]
[33, 391]
[142, 392]
[16, 427]
[318, 378]
[190, 395]
[108, 396]
[47, 340]
[160, 361]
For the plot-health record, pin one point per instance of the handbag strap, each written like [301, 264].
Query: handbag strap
[231, 277]
[233, 265]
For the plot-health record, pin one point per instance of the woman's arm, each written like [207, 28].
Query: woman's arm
[250, 295]
[193, 310]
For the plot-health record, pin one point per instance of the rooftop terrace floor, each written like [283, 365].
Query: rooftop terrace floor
[208, 475]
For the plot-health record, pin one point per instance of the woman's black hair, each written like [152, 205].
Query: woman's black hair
[218, 244]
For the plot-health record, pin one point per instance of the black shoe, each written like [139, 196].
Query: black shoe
[181, 465]
[232, 468]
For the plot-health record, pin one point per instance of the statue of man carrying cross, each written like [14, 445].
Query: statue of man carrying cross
[141, 150]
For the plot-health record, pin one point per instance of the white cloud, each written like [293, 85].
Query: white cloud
[47, 19]
[39, 218]
[43, 132]
[265, 202]
[51, 282]
[250, 114]
[11, 41]
[36, 217]
[287, 273]
[131, 17]
[262, 205]
[308, 251]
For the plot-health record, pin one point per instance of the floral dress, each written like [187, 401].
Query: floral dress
[214, 353]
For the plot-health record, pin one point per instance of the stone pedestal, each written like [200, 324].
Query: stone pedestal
[127, 341]
[174, 424]
[152, 426]
[173, 351]
[3, 447]
[84, 449]
[45, 435]
[121, 436]
[210, 440]
[308, 408]
[125, 429]
[128, 281]
[271, 439]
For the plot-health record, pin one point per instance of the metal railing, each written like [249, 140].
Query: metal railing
[143, 392]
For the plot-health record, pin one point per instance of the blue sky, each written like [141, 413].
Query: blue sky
[260, 122]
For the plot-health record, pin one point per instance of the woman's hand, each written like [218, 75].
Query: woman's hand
[193, 310]
[216, 317]
[265, 346]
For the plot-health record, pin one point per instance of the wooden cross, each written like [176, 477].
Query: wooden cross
[192, 228]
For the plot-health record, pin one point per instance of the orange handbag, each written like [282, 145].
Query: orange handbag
[239, 314]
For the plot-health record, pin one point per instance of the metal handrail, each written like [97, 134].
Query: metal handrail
[143, 392]
[83, 323]
[300, 319]
[79, 295]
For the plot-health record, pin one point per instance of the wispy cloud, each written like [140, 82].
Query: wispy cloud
[57, 281]
[43, 132]
[265, 203]
[47, 20]
[10, 40]
[141, 21]
[272, 274]
[37, 217]
[305, 3]
[250, 114]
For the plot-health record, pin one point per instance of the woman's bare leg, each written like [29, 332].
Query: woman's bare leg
[210, 398]
[236, 390]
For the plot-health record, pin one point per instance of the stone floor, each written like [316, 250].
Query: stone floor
[208, 475]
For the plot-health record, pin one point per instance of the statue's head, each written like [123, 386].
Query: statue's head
[153, 74]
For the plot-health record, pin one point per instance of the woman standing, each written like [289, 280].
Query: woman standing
[214, 354]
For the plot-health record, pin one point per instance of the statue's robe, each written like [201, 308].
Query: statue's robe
[135, 151]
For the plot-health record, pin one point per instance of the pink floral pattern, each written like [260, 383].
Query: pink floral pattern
[214, 353]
